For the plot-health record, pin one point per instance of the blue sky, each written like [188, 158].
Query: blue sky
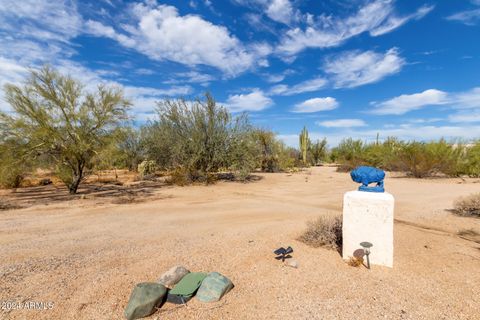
[342, 68]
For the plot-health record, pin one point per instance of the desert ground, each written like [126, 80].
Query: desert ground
[86, 253]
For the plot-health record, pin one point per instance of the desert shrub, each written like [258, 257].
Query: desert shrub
[268, 154]
[179, 177]
[355, 262]
[384, 155]
[350, 154]
[414, 159]
[128, 151]
[197, 139]
[13, 163]
[325, 231]
[468, 206]
[318, 151]
[472, 160]
[274, 155]
[242, 155]
[425, 159]
[146, 168]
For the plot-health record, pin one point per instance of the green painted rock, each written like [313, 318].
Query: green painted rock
[144, 299]
[213, 287]
[173, 276]
[186, 288]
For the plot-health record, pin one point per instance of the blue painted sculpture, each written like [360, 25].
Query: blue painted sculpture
[367, 175]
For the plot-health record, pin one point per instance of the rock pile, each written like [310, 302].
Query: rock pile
[177, 285]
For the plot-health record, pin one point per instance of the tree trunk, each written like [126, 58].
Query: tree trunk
[73, 187]
[77, 178]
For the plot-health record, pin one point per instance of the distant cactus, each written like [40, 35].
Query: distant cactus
[146, 168]
[304, 144]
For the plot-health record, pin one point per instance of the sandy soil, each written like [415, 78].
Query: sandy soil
[85, 254]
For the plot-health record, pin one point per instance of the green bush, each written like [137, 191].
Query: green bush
[350, 154]
[197, 139]
[472, 160]
[425, 159]
[419, 159]
[14, 164]
[318, 151]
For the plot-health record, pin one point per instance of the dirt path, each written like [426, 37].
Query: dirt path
[86, 256]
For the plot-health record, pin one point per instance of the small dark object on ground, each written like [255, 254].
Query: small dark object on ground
[283, 253]
[45, 182]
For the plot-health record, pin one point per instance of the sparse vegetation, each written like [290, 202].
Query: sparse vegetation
[418, 159]
[146, 169]
[319, 151]
[325, 231]
[56, 125]
[355, 262]
[468, 206]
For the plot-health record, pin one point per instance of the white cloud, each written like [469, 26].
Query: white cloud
[342, 123]
[162, 34]
[355, 68]
[467, 100]
[315, 105]
[190, 77]
[408, 102]
[306, 86]
[254, 101]
[376, 17]
[467, 117]
[469, 17]
[41, 19]
[280, 11]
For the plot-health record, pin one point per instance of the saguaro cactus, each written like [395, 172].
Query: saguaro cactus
[304, 144]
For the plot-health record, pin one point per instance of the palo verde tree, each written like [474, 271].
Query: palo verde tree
[54, 117]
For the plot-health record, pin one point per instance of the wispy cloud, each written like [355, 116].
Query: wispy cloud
[393, 22]
[356, 68]
[306, 86]
[315, 105]
[376, 17]
[342, 123]
[468, 17]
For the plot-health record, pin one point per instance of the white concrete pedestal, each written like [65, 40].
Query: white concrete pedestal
[368, 217]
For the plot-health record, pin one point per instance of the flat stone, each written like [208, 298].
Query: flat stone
[292, 263]
[213, 287]
[173, 276]
[144, 300]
